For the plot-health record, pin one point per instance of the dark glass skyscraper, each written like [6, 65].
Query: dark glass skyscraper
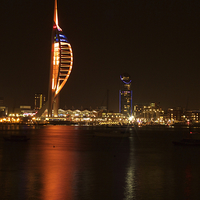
[125, 95]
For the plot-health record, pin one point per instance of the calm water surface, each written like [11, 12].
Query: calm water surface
[65, 162]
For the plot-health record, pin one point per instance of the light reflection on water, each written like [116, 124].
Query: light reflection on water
[63, 162]
[130, 179]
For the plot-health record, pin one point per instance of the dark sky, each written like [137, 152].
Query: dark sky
[156, 42]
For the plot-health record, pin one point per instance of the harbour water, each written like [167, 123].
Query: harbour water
[69, 162]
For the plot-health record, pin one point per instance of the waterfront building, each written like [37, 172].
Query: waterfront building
[179, 114]
[79, 114]
[138, 111]
[39, 101]
[125, 95]
[94, 117]
[23, 111]
[175, 114]
[60, 67]
[153, 112]
[149, 113]
[192, 115]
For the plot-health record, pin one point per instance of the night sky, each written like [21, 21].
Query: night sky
[156, 42]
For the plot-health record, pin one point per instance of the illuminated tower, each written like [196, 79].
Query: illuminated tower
[61, 65]
[125, 95]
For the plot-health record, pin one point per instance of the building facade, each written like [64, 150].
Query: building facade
[148, 113]
[125, 95]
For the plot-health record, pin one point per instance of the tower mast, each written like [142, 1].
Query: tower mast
[56, 13]
[50, 92]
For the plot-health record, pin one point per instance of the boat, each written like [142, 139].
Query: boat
[187, 142]
[16, 138]
[112, 134]
[192, 140]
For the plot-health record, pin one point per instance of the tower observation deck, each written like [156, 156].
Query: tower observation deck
[60, 67]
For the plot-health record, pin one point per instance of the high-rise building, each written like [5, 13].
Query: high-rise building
[60, 67]
[39, 101]
[125, 95]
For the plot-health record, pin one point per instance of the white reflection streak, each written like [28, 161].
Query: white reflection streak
[130, 177]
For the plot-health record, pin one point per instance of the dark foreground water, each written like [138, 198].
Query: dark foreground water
[64, 162]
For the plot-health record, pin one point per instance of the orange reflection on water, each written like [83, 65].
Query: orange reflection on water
[57, 167]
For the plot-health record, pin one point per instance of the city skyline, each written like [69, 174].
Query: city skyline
[157, 43]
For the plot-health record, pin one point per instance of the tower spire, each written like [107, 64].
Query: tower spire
[56, 13]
